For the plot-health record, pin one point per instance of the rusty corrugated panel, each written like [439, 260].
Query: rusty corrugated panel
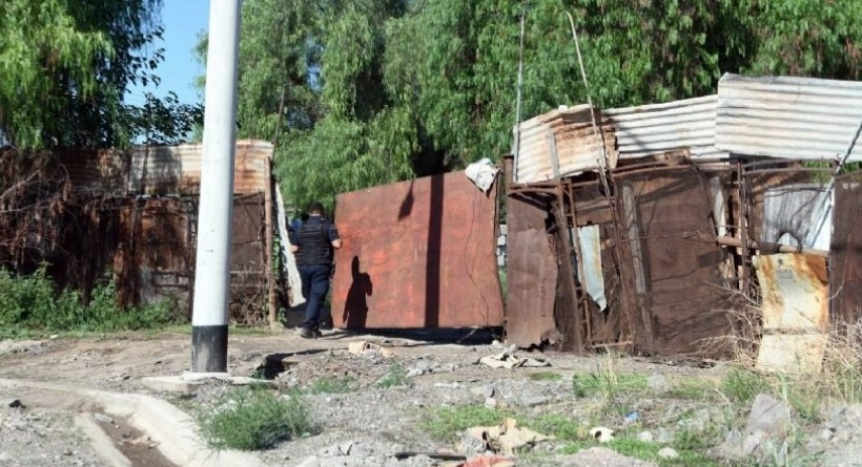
[795, 296]
[154, 258]
[562, 143]
[672, 271]
[417, 254]
[784, 117]
[531, 275]
[177, 169]
[658, 128]
[102, 170]
[846, 250]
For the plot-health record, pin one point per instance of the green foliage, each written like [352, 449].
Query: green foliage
[444, 423]
[546, 376]
[253, 419]
[66, 66]
[30, 304]
[395, 377]
[742, 386]
[561, 427]
[332, 386]
[368, 92]
[607, 384]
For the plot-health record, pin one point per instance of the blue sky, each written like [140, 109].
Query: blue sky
[183, 20]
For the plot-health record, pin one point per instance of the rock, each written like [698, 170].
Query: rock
[470, 445]
[664, 436]
[668, 453]
[646, 437]
[670, 414]
[175, 384]
[847, 418]
[657, 383]
[532, 401]
[344, 448]
[424, 365]
[4, 456]
[488, 390]
[414, 372]
[12, 403]
[490, 402]
[769, 416]
[599, 456]
[102, 418]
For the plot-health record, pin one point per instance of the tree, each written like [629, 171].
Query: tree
[66, 65]
[394, 89]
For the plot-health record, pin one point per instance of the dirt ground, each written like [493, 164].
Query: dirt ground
[374, 422]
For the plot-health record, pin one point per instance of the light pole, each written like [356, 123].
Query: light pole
[215, 212]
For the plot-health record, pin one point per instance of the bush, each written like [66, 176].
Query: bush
[252, 419]
[31, 304]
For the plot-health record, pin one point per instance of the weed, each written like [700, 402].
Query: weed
[608, 385]
[546, 376]
[395, 377]
[253, 419]
[560, 426]
[444, 423]
[741, 386]
[29, 305]
[328, 385]
[691, 388]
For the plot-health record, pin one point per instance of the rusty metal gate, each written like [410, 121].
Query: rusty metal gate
[671, 262]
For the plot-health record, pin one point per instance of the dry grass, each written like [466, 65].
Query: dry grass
[839, 380]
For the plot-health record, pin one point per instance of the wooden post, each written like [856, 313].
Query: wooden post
[272, 297]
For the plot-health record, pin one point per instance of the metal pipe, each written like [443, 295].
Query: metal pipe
[215, 214]
[769, 247]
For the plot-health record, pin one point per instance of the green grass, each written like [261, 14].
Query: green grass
[395, 377]
[444, 423]
[250, 419]
[607, 385]
[742, 386]
[695, 389]
[31, 307]
[546, 376]
[327, 385]
[561, 427]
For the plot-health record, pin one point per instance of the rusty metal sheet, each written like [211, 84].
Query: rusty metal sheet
[531, 275]
[154, 258]
[562, 143]
[846, 250]
[678, 294]
[417, 254]
[795, 307]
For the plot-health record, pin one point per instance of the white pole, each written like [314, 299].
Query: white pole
[215, 212]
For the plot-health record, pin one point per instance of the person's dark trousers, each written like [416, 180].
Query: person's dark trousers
[315, 285]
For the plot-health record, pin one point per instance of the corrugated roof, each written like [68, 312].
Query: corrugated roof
[657, 128]
[177, 169]
[561, 143]
[794, 118]
[163, 170]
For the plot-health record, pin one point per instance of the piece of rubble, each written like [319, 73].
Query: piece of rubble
[509, 360]
[668, 453]
[365, 348]
[602, 434]
[505, 438]
[13, 403]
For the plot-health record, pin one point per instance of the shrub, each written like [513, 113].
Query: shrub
[253, 419]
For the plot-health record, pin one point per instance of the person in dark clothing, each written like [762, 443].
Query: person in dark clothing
[313, 245]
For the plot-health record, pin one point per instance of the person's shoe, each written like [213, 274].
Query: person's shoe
[306, 333]
[316, 333]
